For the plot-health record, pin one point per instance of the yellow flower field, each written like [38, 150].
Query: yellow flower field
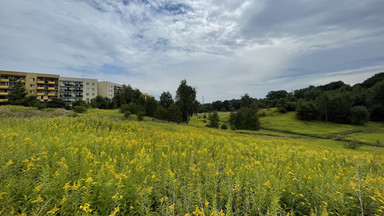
[90, 165]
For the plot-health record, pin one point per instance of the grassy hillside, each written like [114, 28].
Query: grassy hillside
[98, 163]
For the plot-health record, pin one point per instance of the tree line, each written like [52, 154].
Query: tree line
[335, 102]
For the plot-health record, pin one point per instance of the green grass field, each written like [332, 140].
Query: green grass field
[100, 163]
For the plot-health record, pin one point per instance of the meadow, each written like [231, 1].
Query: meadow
[99, 163]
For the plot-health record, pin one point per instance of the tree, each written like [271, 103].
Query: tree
[213, 119]
[166, 99]
[359, 115]
[186, 99]
[150, 106]
[246, 101]
[245, 118]
[322, 103]
[175, 114]
[307, 111]
[17, 94]
[277, 94]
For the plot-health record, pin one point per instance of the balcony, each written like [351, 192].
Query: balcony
[3, 93]
[51, 88]
[40, 88]
[3, 100]
[4, 86]
[40, 94]
[40, 82]
[4, 80]
[51, 82]
[51, 94]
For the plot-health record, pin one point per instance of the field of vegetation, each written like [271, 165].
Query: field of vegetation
[99, 163]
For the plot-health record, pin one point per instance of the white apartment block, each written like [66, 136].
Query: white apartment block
[74, 89]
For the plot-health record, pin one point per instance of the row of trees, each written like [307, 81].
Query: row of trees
[335, 102]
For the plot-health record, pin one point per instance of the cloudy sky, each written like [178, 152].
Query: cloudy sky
[224, 48]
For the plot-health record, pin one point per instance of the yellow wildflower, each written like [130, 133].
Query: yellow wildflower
[10, 162]
[86, 208]
[38, 200]
[115, 211]
[38, 188]
[267, 184]
[63, 200]
[172, 207]
[53, 211]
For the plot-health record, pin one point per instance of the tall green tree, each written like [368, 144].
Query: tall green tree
[214, 120]
[17, 94]
[186, 100]
[166, 99]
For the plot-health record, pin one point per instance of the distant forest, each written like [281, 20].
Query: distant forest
[335, 102]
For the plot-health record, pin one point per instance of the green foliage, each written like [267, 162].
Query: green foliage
[82, 103]
[175, 114]
[132, 107]
[56, 103]
[224, 127]
[166, 99]
[150, 106]
[353, 144]
[162, 113]
[140, 115]
[17, 94]
[127, 114]
[186, 100]
[339, 107]
[307, 111]
[373, 80]
[127, 95]
[277, 94]
[246, 101]
[359, 115]
[102, 103]
[245, 118]
[79, 109]
[213, 119]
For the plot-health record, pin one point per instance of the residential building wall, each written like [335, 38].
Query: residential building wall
[74, 89]
[43, 86]
[108, 89]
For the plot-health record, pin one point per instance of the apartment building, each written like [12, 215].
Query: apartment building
[108, 89]
[43, 86]
[75, 89]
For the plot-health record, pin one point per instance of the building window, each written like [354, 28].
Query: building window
[93, 89]
[93, 94]
[31, 92]
[87, 83]
[32, 85]
[87, 89]
[87, 94]
[32, 79]
[93, 84]
[87, 99]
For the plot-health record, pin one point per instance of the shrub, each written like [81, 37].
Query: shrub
[224, 127]
[359, 115]
[351, 144]
[140, 116]
[127, 114]
[213, 120]
[175, 114]
[79, 109]
[245, 118]
[162, 113]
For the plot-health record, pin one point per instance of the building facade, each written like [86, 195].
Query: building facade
[43, 86]
[75, 89]
[108, 89]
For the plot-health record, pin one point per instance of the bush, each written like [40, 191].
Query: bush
[132, 107]
[351, 144]
[162, 113]
[376, 113]
[359, 115]
[213, 120]
[79, 109]
[127, 114]
[224, 127]
[245, 118]
[140, 116]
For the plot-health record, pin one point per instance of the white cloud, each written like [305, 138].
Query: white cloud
[223, 47]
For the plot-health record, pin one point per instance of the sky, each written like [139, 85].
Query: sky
[223, 48]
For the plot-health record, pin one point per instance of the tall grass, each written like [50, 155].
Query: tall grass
[94, 165]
